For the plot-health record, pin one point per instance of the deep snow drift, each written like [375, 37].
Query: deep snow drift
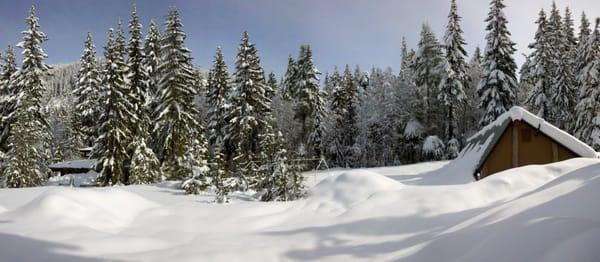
[533, 213]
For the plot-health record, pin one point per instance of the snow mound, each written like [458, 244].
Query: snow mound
[352, 187]
[107, 210]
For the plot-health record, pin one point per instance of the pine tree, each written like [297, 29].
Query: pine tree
[220, 177]
[250, 120]
[87, 95]
[563, 96]
[137, 77]
[197, 157]
[429, 70]
[587, 127]
[344, 151]
[307, 94]
[273, 86]
[456, 80]
[289, 82]
[541, 67]
[282, 180]
[176, 125]
[581, 60]
[8, 97]
[145, 168]
[217, 98]
[29, 136]
[498, 86]
[112, 145]
[151, 62]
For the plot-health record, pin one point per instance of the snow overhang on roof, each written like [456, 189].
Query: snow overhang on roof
[75, 164]
[565, 139]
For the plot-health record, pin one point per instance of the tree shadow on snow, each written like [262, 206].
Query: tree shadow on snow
[340, 239]
[23, 249]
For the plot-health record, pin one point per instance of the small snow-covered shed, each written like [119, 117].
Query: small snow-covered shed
[73, 167]
[519, 138]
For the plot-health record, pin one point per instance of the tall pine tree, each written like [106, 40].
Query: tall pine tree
[8, 97]
[217, 98]
[29, 136]
[587, 127]
[176, 124]
[456, 80]
[498, 86]
[540, 69]
[87, 95]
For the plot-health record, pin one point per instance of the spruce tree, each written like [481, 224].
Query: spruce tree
[307, 94]
[8, 97]
[115, 134]
[137, 77]
[87, 95]
[581, 59]
[563, 96]
[249, 125]
[151, 62]
[217, 99]
[176, 123]
[288, 84]
[346, 94]
[29, 136]
[145, 168]
[541, 70]
[498, 86]
[456, 80]
[429, 67]
[587, 127]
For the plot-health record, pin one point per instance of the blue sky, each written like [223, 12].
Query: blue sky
[363, 32]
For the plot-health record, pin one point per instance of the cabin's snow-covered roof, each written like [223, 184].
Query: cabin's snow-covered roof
[560, 136]
[75, 164]
[481, 144]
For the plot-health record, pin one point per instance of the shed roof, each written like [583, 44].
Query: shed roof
[75, 164]
[480, 145]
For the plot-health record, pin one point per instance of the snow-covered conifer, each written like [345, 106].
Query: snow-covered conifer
[29, 136]
[87, 96]
[8, 96]
[176, 123]
[151, 62]
[429, 66]
[587, 127]
[433, 148]
[137, 77]
[564, 94]
[217, 98]
[498, 86]
[145, 168]
[250, 115]
[455, 81]
[115, 135]
[541, 70]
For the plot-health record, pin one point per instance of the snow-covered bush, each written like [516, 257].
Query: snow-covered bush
[433, 148]
[452, 149]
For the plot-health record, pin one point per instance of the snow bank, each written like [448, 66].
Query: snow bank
[533, 213]
[558, 221]
[107, 210]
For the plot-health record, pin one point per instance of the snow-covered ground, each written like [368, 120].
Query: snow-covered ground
[408, 213]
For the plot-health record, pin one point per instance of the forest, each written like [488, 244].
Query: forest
[149, 114]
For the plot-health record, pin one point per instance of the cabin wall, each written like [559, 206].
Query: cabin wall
[501, 156]
[522, 144]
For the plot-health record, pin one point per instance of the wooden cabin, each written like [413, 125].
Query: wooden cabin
[519, 138]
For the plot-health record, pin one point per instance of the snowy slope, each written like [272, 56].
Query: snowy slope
[534, 213]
